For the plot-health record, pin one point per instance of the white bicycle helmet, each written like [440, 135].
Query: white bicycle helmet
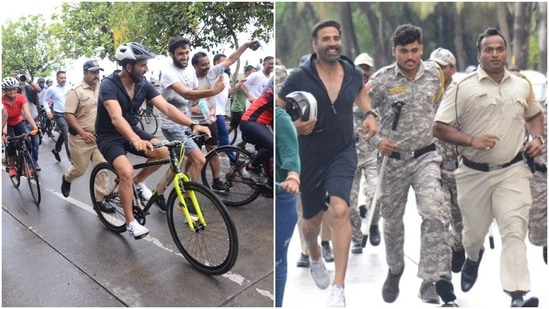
[132, 52]
[10, 83]
[301, 104]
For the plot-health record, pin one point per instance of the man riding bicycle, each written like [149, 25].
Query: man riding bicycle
[121, 94]
[15, 104]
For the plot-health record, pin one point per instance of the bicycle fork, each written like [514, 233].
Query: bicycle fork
[180, 190]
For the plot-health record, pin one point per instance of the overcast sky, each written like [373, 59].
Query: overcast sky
[74, 74]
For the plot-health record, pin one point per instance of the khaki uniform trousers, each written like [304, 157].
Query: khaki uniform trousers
[502, 194]
[81, 154]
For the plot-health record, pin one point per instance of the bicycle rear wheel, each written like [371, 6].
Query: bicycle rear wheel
[29, 170]
[213, 248]
[104, 189]
[242, 189]
[148, 122]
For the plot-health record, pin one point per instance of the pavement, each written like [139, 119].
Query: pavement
[59, 254]
[366, 273]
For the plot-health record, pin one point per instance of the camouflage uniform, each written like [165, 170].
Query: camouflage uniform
[537, 226]
[414, 132]
[367, 165]
[449, 164]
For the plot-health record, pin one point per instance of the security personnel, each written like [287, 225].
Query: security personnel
[80, 113]
[413, 161]
[486, 115]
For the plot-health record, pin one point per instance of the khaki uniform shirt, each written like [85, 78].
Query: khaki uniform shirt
[82, 102]
[477, 105]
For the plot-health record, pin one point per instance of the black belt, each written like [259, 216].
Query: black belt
[403, 155]
[486, 167]
[540, 167]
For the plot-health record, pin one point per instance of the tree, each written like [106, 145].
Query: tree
[27, 48]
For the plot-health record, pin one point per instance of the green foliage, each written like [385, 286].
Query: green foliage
[26, 47]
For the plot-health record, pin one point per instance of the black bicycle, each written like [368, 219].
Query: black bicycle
[242, 189]
[47, 126]
[24, 166]
[148, 120]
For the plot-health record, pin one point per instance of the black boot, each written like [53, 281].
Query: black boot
[469, 272]
[375, 237]
[445, 290]
[458, 258]
[517, 300]
[390, 289]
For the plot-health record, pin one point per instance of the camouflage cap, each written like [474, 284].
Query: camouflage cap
[280, 75]
[443, 57]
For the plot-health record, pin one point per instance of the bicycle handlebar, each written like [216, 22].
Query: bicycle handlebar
[177, 143]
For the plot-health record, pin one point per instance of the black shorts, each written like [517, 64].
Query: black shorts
[321, 182]
[235, 119]
[214, 140]
[112, 146]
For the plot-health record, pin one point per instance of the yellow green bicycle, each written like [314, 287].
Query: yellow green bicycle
[199, 222]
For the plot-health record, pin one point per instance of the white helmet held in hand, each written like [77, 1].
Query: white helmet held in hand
[301, 104]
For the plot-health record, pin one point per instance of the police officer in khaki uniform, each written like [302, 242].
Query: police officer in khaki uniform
[486, 115]
[80, 112]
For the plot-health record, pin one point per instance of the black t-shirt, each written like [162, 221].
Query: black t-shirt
[334, 129]
[112, 89]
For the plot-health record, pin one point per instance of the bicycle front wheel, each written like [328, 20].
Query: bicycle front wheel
[148, 122]
[240, 188]
[16, 180]
[104, 190]
[29, 170]
[211, 248]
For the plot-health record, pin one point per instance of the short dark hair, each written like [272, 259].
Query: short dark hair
[60, 72]
[177, 42]
[406, 34]
[217, 57]
[267, 58]
[489, 32]
[197, 56]
[324, 24]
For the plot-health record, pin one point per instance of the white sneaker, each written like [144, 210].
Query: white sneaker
[143, 191]
[137, 230]
[337, 297]
[320, 274]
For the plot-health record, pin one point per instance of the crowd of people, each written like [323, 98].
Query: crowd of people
[467, 148]
[351, 141]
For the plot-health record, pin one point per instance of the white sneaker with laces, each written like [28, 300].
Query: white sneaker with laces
[143, 191]
[337, 297]
[320, 274]
[137, 230]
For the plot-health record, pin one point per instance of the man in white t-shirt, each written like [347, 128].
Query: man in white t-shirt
[207, 76]
[257, 81]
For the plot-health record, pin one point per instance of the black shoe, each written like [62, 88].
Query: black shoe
[160, 202]
[517, 300]
[105, 207]
[375, 237]
[218, 185]
[327, 253]
[256, 175]
[303, 261]
[37, 167]
[56, 155]
[65, 187]
[445, 290]
[390, 289]
[469, 272]
[356, 248]
[428, 293]
[458, 258]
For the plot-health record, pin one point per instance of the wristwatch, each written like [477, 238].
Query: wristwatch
[541, 140]
[371, 112]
